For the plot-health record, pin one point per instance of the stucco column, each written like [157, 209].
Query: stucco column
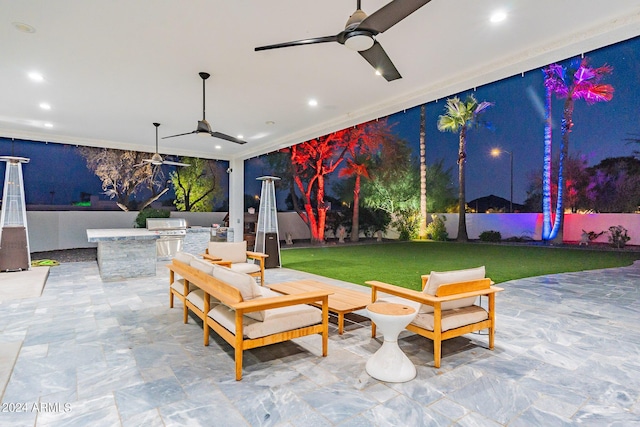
[236, 198]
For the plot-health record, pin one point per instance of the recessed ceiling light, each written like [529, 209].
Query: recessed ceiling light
[36, 77]
[240, 136]
[498, 16]
[378, 73]
[23, 28]
[218, 147]
[45, 106]
[313, 103]
[269, 122]
[48, 125]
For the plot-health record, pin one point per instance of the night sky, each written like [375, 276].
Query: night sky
[57, 175]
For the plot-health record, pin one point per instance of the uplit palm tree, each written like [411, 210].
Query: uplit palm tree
[580, 81]
[423, 173]
[459, 117]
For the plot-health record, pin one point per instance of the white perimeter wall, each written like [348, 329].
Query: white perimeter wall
[530, 225]
[68, 229]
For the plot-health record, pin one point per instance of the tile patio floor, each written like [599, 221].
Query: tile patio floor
[567, 353]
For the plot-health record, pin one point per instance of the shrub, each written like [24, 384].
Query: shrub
[407, 222]
[141, 219]
[436, 229]
[618, 237]
[490, 236]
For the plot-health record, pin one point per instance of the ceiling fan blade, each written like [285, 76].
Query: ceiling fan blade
[377, 57]
[169, 162]
[227, 137]
[180, 134]
[390, 14]
[315, 40]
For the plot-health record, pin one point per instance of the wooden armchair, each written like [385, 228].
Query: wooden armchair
[447, 313]
[235, 256]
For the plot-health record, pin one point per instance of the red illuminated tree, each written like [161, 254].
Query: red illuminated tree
[312, 161]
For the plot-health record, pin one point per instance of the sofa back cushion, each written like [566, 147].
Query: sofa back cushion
[184, 257]
[229, 251]
[246, 284]
[437, 278]
[202, 265]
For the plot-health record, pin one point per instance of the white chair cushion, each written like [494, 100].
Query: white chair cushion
[453, 318]
[229, 251]
[437, 278]
[245, 267]
[246, 284]
[264, 293]
[276, 320]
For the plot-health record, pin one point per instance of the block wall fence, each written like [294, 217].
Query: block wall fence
[53, 230]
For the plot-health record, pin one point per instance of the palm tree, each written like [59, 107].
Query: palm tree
[460, 117]
[423, 174]
[578, 82]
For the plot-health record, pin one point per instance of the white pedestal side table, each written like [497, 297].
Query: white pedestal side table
[389, 363]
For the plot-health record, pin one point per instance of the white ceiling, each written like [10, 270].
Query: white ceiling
[112, 68]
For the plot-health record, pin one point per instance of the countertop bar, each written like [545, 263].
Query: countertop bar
[114, 234]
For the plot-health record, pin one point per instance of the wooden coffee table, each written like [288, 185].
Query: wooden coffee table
[341, 302]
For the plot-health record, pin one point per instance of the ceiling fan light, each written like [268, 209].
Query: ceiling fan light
[359, 41]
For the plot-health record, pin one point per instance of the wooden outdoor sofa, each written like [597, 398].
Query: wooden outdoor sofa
[242, 313]
[446, 306]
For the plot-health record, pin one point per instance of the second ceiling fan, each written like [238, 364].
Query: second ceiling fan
[156, 159]
[360, 31]
[203, 125]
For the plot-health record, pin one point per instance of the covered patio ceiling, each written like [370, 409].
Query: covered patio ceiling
[111, 69]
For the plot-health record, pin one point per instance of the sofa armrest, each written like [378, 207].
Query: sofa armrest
[256, 255]
[426, 298]
[210, 257]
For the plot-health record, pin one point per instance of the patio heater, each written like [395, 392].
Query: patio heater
[14, 241]
[267, 240]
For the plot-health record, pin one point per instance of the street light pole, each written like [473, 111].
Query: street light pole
[496, 153]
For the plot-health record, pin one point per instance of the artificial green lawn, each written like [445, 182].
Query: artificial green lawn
[402, 263]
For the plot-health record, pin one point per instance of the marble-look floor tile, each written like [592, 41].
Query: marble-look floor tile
[120, 356]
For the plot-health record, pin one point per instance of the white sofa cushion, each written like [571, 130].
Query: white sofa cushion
[276, 320]
[453, 318]
[202, 265]
[196, 297]
[178, 286]
[437, 278]
[246, 284]
[229, 251]
[184, 257]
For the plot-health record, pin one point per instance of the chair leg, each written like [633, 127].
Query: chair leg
[206, 333]
[170, 299]
[373, 329]
[185, 313]
[437, 352]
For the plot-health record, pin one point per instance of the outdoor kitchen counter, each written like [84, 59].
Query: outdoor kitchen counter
[125, 252]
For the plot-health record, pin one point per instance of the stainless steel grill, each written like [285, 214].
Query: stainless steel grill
[171, 232]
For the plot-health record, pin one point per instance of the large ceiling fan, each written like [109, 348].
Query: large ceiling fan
[157, 159]
[203, 127]
[360, 31]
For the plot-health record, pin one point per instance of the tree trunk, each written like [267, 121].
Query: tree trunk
[462, 223]
[567, 123]
[546, 169]
[422, 234]
[355, 220]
